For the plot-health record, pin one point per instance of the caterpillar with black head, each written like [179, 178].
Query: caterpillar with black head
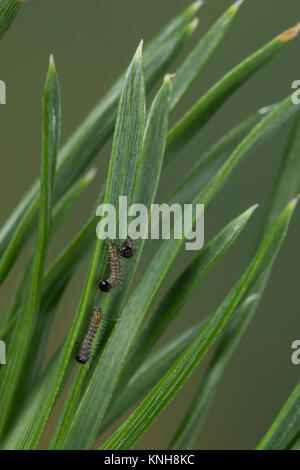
[112, 280]
[127, 249]
[84, 351]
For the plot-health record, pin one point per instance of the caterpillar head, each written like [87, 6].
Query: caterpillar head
[127, 249]
[81, 360]
[104, 286]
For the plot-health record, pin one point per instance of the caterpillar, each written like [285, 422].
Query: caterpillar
[84, 351]
[114, 269]
[127, 249]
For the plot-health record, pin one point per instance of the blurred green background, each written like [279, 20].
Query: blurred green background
[92, 42]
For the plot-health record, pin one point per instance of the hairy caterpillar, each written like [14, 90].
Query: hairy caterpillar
[114, 269]
[127, 249]
[84, 352]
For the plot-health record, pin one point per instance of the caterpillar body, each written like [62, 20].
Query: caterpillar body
[127, 249]
[84, 351]
[114, 269]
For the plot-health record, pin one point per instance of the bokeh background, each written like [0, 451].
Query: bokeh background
[93, 41]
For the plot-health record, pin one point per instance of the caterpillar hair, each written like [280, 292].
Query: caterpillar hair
[114, 269]
[84, 351]
[128, 248]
